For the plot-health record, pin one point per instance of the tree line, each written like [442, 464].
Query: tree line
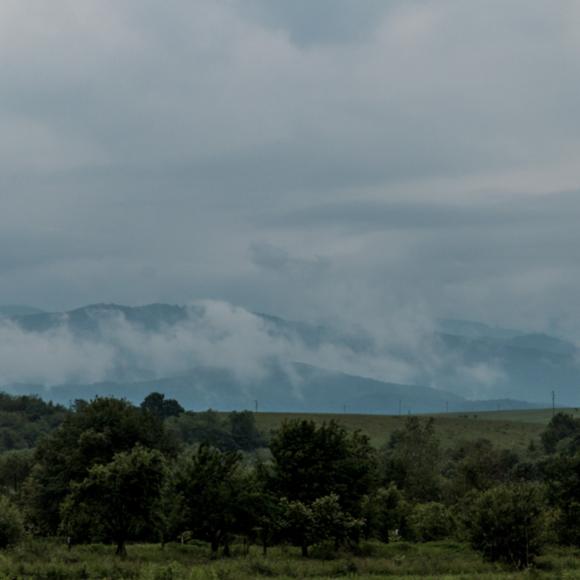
[114, 472]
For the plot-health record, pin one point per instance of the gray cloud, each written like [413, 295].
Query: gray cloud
[384, 163]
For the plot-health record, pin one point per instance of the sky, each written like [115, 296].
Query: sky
[365, 160]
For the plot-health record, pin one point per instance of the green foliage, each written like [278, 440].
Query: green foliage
[215, 495]
[25, 419]
[312, 462]
[91, 435]
[236, 431]
[244, 432]
[120, 497]
[160, 407]
[431, 521]
[562, 475]
[508, 524]
[321, 522]
[384, 511]
[15, 467]
[11, 523]
[562, 432]
[333, 524]
[413, 458]
[477, 466]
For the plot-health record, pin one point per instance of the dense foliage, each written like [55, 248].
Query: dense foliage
[25, 419]
[114, 472]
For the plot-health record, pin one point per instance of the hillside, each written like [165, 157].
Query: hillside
[212, 354]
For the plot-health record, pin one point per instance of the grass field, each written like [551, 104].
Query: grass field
[506, 429]
[444, 560]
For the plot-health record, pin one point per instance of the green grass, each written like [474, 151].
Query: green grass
[506, 429]
[51, 560]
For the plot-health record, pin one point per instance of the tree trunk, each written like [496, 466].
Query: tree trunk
[304, 550]
[121, 550]
[227, 553]
[214, 547]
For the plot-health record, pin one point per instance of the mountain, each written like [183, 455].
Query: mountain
[211, 354]
[305, 389]
[17, 310]
[472, 329]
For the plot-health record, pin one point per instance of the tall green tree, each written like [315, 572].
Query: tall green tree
[563, 433]
[245, 434]
[311, 461]
[91, 435]
[215, 496]
[160, 407]
[562, 474]
[384, 511]
[413, 458]
[120, 498]
[11, 523]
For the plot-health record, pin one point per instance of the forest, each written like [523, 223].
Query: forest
[157, 490]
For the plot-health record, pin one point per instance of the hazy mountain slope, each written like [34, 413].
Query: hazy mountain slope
[309, 389]
[483, 363]
[17, 310]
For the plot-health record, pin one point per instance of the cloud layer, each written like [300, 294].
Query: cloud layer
[372, 161]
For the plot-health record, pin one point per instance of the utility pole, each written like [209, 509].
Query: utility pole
[553, 403]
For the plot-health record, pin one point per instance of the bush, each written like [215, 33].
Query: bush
[431, 521]
[384, 511]
[11, 525]
[508, 524]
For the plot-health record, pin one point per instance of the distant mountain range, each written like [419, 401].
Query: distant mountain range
[17, 310]
[459, 366]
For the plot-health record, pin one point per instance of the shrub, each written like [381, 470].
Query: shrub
[11, 525]
[431, 521]
[507, 524]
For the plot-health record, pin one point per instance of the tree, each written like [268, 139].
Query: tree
[333, 524]
[214, 494]
[562, 431]
[160, 407]
[207, 427]
[412, 460]
[15, 467]
[507, 524]
[562, 475]
[477, 466]
[120, 497]
[244, 431]
[11, 523]
[312, 462]
[322, 521]
[297, 524]
[384, 511]
[91, 435]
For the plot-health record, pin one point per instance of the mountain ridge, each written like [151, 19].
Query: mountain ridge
[521, 368]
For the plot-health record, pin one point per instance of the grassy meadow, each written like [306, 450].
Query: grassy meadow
[505, 429]
[52, 560]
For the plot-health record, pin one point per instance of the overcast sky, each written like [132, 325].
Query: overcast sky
[310, 158]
